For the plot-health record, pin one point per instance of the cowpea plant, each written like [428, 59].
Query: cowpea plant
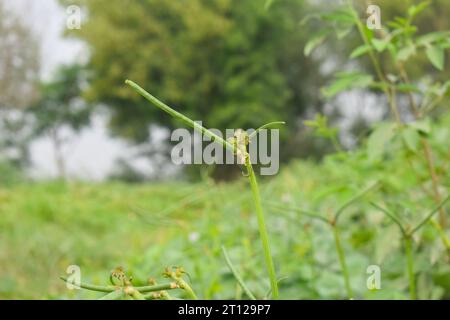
[391, 51]
[332, 222]
[407, 231]
[121, 286]
[238, 146]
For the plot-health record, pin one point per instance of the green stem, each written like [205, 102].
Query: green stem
[161, 105]
[262, 228]
[237, 275]
[253, 183]
[93, 287]
[410, 263]
[185, 286]
[134, 293]
[378, 70]
[341, 255]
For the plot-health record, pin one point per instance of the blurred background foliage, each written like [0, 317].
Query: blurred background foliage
[229, 63]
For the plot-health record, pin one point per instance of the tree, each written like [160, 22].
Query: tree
[61, 106]
[19, 71]
[231, 63]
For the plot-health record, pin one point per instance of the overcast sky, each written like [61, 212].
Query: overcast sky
[91, 154]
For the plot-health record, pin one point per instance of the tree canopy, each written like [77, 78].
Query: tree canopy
[227, 62]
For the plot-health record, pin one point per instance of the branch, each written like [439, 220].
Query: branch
[430, 215]
[237, 275]
[298, 210]
[393, 217]
[161, 105]
[267, 125]
[352, 200]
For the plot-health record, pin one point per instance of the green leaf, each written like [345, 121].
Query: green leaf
[378, 140]
[380, 45]
[268, 4]
[404, 53]
[368, 33]
[342, 16]
[314, 42]
[359, 51]
[436, 56]
[415, 10]
[411, 138]
[422, 126]
[347, 80]
[341, 33]
[432, 37]
[407, 87]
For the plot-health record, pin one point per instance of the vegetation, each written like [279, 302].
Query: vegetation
[199, 56]
[364, 223]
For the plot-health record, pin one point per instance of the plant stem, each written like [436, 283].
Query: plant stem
[161, 105]
[378, 70]
[93, 287]
[341, 255]
[251, 175]
[134, 293]
[185, 286]
[434, 181]
[262, 228]
[237, 275]
[426, 150]
[392, 103]
[410, 263]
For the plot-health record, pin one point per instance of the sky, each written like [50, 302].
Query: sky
[91, 154]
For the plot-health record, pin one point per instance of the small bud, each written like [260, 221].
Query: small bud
[128, 290]
[156, 295]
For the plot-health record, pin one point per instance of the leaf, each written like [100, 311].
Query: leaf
[359, 51]
[436, 56]
[423, 126]
[407, 87]
[411, 138]
[347, 80]
[380, 45]
[268, 4]
[404, 53]
[377, 141]
[314, 42]
[432, 37]
[369, 33]
[342, 16]
[341, 33]
[415, 10]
